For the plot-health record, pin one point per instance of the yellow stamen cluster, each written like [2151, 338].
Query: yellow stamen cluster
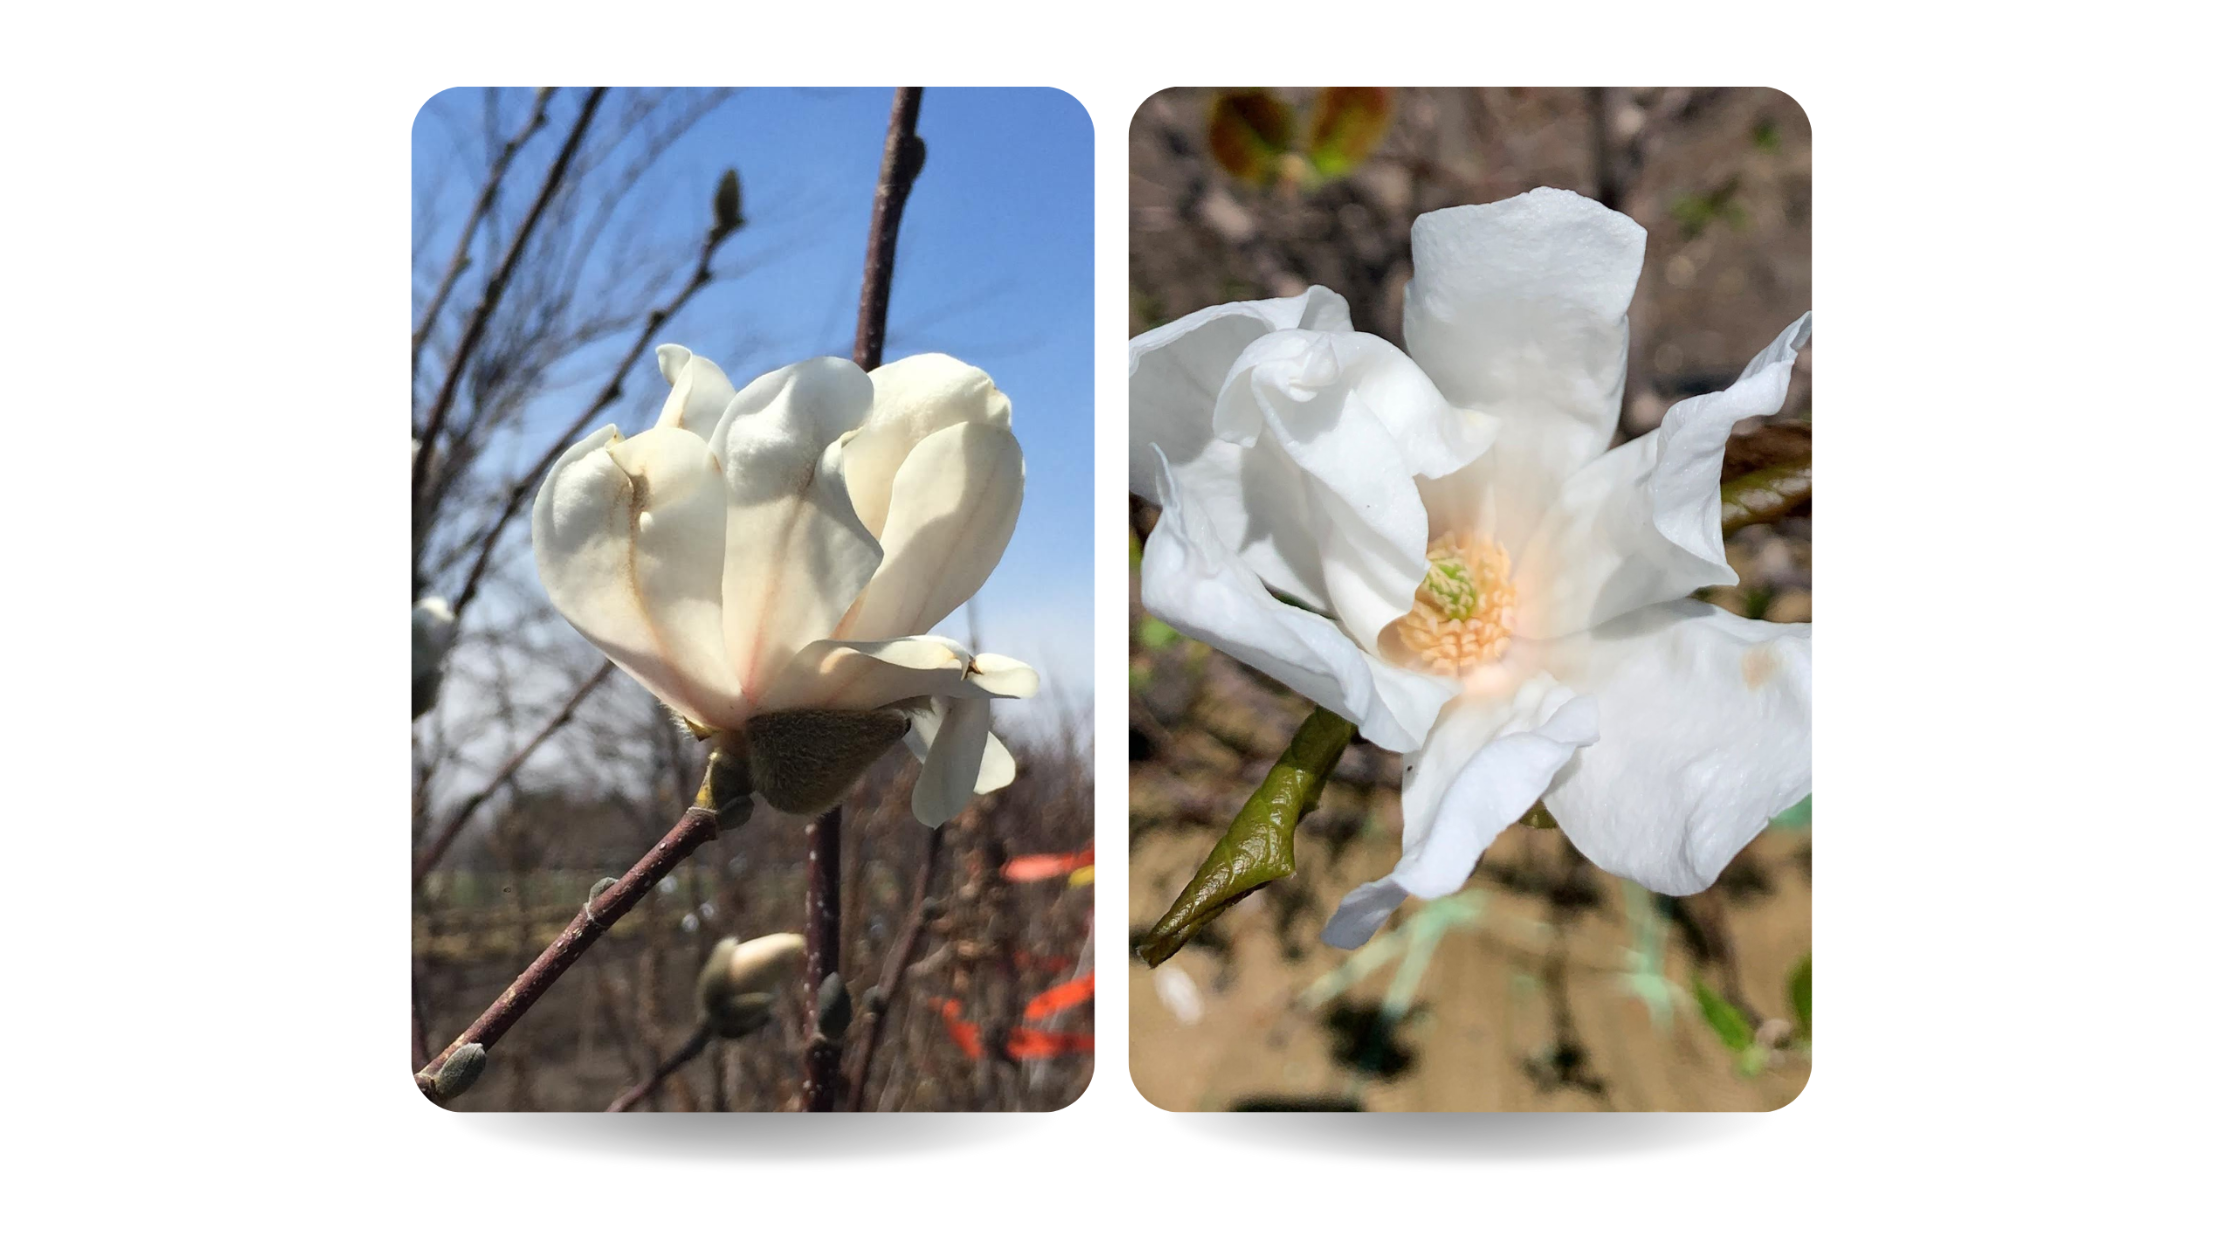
[1466, 608]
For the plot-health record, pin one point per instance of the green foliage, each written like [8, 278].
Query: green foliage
[1155, 634]
[1766, 137]
[1347, 125]
[1249, 132]
[1257, 846]
[1733, 1030]
[1697, 211]
[1800, 993]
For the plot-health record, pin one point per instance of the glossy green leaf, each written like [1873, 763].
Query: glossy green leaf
[1765, 495]
[1733, 1030]
[1347, 125]
[1257, 846]
[1800, 993]
[1249, 131]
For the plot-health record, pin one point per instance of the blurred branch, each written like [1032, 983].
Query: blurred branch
[820, 1082]
[428, 857]
[899, 165]
[682, 1055]
[482, 204]
[892, 974]
[1257, 846]
[599, 913]
[479, 322]
[526, 485]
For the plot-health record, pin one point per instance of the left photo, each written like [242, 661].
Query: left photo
[751, 611]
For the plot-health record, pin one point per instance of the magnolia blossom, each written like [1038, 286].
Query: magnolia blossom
[1466, 569]
[784, 550]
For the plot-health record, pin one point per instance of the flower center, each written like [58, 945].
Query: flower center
[1465, 610]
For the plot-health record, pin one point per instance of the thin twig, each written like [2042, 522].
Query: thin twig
[428, 857]
[526, 485]
[682, 1055]
[482, 204]
[696, 828]
[479, 322]
[904, 157]
[891, 975]
[821, 1069]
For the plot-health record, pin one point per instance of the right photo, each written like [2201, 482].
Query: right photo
[1470, 666]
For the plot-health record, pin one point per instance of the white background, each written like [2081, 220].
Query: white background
[2023, 529]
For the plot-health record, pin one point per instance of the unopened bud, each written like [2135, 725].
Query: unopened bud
[727, 787]
[739, 983]
[833, 1008]
[459, 1071]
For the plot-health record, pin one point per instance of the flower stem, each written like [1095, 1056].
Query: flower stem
[821, 1076]
[905, 155]
[697, 827]
[682, 1055]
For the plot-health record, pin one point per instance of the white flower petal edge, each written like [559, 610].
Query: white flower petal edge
[1359, 422]
[912, 399]
[1511, 749]
[699, 392]
[874, 673]
[1201, 588]
[628, 537]
[955, 502]
[1518, 310]
[1640, 525]
[1706, 734]
[996, 767]
[795, 555]
[953, 761]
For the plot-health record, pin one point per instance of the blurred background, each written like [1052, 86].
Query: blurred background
[558, 236]
[1546, 985]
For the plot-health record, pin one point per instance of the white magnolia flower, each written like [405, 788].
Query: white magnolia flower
[1466, 570]
[786, 549]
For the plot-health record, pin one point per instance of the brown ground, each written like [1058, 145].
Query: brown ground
[1536, 1002]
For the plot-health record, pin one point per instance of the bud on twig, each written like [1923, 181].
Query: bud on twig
[833, 1008]
[459, 1071]
[738, 986]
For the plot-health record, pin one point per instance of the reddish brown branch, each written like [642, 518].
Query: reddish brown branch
[682, 1055]
[482, 203]
[891, 975]
[898, 169]
[428, 857]
[821, 1071]
[479, 322]
[696, 828]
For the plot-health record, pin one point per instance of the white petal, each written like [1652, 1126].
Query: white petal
[912, 399]
[955, 500]
[874, 673]
[1200, 587]
[1706, 734]
[1361, 423]
[1518, 309]
[1176, 370]
[997, 767]
[795, 556]
[953, 762]
[629, 545]
[698, 394]
[1468, 783]
[1640, 525]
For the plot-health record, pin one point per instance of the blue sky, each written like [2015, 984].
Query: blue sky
[994, 266]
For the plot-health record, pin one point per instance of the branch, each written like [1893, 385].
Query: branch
[479, 323]
[696, 828]
[822, 1067]
[526, 486]
[891, 975]
[482, 205]
[904, 157]
[682, 1055]
[433, 854]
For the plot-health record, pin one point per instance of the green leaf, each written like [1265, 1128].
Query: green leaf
[1249, 132]
[1154, 634]
[1257, 846]
[1725, 1020]
[1800, 992]
[1347, 125]
[1765, 495]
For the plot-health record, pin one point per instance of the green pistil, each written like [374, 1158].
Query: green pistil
[1450, 589]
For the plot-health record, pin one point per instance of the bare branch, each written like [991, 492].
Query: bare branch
[482, 204]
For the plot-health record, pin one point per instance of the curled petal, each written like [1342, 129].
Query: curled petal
[874, 673]
[1483, 766]
[795, 556]
[1518, 309]
[953, 761]
[913, 399]
[698, 394]
[1202, 588]
[1640, 525]
[1706, 734]
[954, 503]
[1359, 422]
[628, 541]
[997, 767]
